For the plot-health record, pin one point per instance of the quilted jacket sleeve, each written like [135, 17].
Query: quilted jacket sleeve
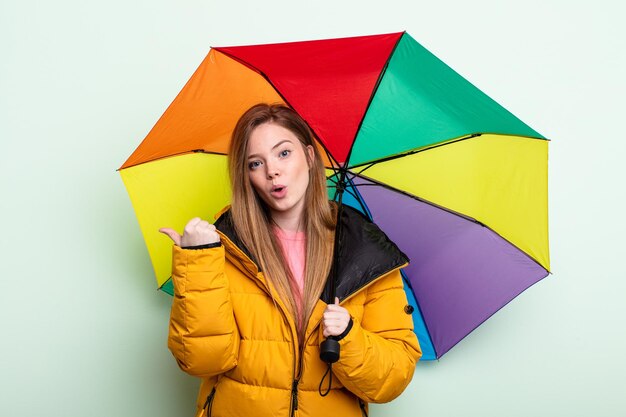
[379, 354]
[203, 335]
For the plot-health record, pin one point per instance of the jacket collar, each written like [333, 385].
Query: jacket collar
[365, 253]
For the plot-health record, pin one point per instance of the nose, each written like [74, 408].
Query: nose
[272, 172]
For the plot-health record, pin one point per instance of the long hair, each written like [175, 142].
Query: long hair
[252, 220]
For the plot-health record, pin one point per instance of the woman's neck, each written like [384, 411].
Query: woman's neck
[288, 223]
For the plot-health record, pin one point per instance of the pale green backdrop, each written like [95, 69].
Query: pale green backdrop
[81, 83]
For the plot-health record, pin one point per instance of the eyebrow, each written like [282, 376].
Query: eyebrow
[273, 147]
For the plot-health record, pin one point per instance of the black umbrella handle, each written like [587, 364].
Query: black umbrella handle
[329, 350]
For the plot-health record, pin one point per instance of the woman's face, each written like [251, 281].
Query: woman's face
[278, 169]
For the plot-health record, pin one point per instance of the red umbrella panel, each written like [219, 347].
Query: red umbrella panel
[457, 181]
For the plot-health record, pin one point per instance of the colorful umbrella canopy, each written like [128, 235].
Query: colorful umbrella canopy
[457, 181]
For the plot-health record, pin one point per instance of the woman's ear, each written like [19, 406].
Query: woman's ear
[310, 155]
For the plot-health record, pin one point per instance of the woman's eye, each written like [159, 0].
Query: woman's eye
[284, 153]
[254, 164]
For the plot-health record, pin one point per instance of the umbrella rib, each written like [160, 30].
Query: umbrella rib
[334, 165]
[375, 183]
[351, 190]
[368, 165]
[371, 99]
[420, 199]
[490, 315]
[361, 201]
[354, 192]
[267, 78]
[348, 191]
[336, 174]
[175, 154]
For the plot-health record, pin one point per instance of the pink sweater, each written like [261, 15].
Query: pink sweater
[293, 245]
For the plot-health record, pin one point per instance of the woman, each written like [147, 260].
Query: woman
[252, 305]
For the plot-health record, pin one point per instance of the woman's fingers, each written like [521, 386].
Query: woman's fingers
[173, 234]
[191, 224]
[334, 330]
[335, 320]
[197, 232]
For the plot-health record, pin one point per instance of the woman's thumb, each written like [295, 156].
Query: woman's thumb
[173, 234]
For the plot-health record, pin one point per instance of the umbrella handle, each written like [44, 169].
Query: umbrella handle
[329, 350]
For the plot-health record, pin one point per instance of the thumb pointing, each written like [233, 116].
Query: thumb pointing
[172, 234]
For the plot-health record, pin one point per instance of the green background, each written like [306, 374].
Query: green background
[82, 82]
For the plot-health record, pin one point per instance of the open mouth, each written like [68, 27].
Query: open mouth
[278, 190]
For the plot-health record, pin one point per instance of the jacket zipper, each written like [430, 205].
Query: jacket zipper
[294, 397]
[296, 372]
[296, 381]
[208, 405]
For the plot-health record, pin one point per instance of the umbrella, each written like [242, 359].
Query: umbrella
[457, 181]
